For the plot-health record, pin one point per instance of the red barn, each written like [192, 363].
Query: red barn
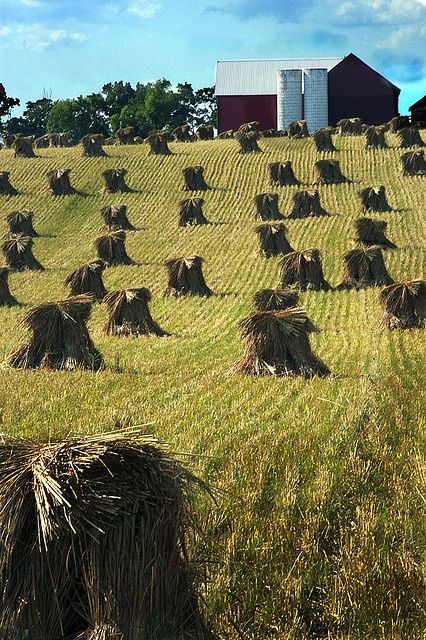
[249, 90]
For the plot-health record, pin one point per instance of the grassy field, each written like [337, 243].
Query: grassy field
[318, 529]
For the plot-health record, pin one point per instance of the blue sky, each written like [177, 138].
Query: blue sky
[73, 47]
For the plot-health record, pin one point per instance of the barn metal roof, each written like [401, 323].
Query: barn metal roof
[259, 77]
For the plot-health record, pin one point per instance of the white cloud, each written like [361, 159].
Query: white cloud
[353, 12]
[144, 8]
[38, 37]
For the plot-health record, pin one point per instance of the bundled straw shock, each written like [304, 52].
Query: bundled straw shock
[114, 180]
[372, 232]
[413, 163]
[272, 240]
[306, 204]
[365, 268]
[186, 277]
[323, 140]
[267, 206]
[18, 253]
[21, 223]
[59, 182]
[129, 314]
[298, 129]
[410, 137]
[157, 141]
[277, 343]
[92, 145]
[350, 127]
[59, 338]
[24, 148]
[282, 174]
[87, 280]
[275, 299]
[374, 199]
[248, 141]
[303, 270]
[6, 188]
[329, 172]
[404, 305]
[191, 212]
[183, 133]
[375, 138]
[96, 541]
[115, 218]
[194, 179]
[6, 298]
[111, 248]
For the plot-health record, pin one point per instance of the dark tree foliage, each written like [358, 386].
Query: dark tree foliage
[6, 102]
[33, 120]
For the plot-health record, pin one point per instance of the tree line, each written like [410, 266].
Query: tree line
[154, 105]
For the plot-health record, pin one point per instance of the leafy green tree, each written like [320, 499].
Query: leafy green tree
[77, 117]
[33, 121]
[6, 102]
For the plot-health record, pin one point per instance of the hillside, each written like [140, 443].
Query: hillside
[318, 523]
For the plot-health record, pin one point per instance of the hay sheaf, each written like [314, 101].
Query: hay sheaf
[273, 240]
[267, 206]
[59, 338]
[97, 540]
[374, 199]
[59, 182]
[87, 280]
[115, 218]
[191, 212]
[92, 145]
[364, 267]
[21, 223]
[307, 204]
[6, 298]
[248, 141]
[404, 305]
[111, 248]
[157, 141]
[18, 254]
[194, 179]
[281, 174]
[323, 140]
[129, 314]
[372, 232]
[277, 343]
[303, 270]
[275, 299]
[6, 187]
[185, 277]
[114, 181]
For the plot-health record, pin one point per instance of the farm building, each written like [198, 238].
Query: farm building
[320, 90]
[418, 111]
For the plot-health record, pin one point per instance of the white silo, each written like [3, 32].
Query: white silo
[289, 96]
[316, 98]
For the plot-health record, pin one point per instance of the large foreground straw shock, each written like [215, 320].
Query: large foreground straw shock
[277, 343]
[18, 253]
[115, 218]
[111, 248]
[186, 278]
[364, 267]
[272, 239]
[129, 314]
[275, 299]
[404, 305]
[21, 223]
[267, 206]
[6, 298]
[87, 280]
[303, 270]
[59, 338]
[97, 535]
